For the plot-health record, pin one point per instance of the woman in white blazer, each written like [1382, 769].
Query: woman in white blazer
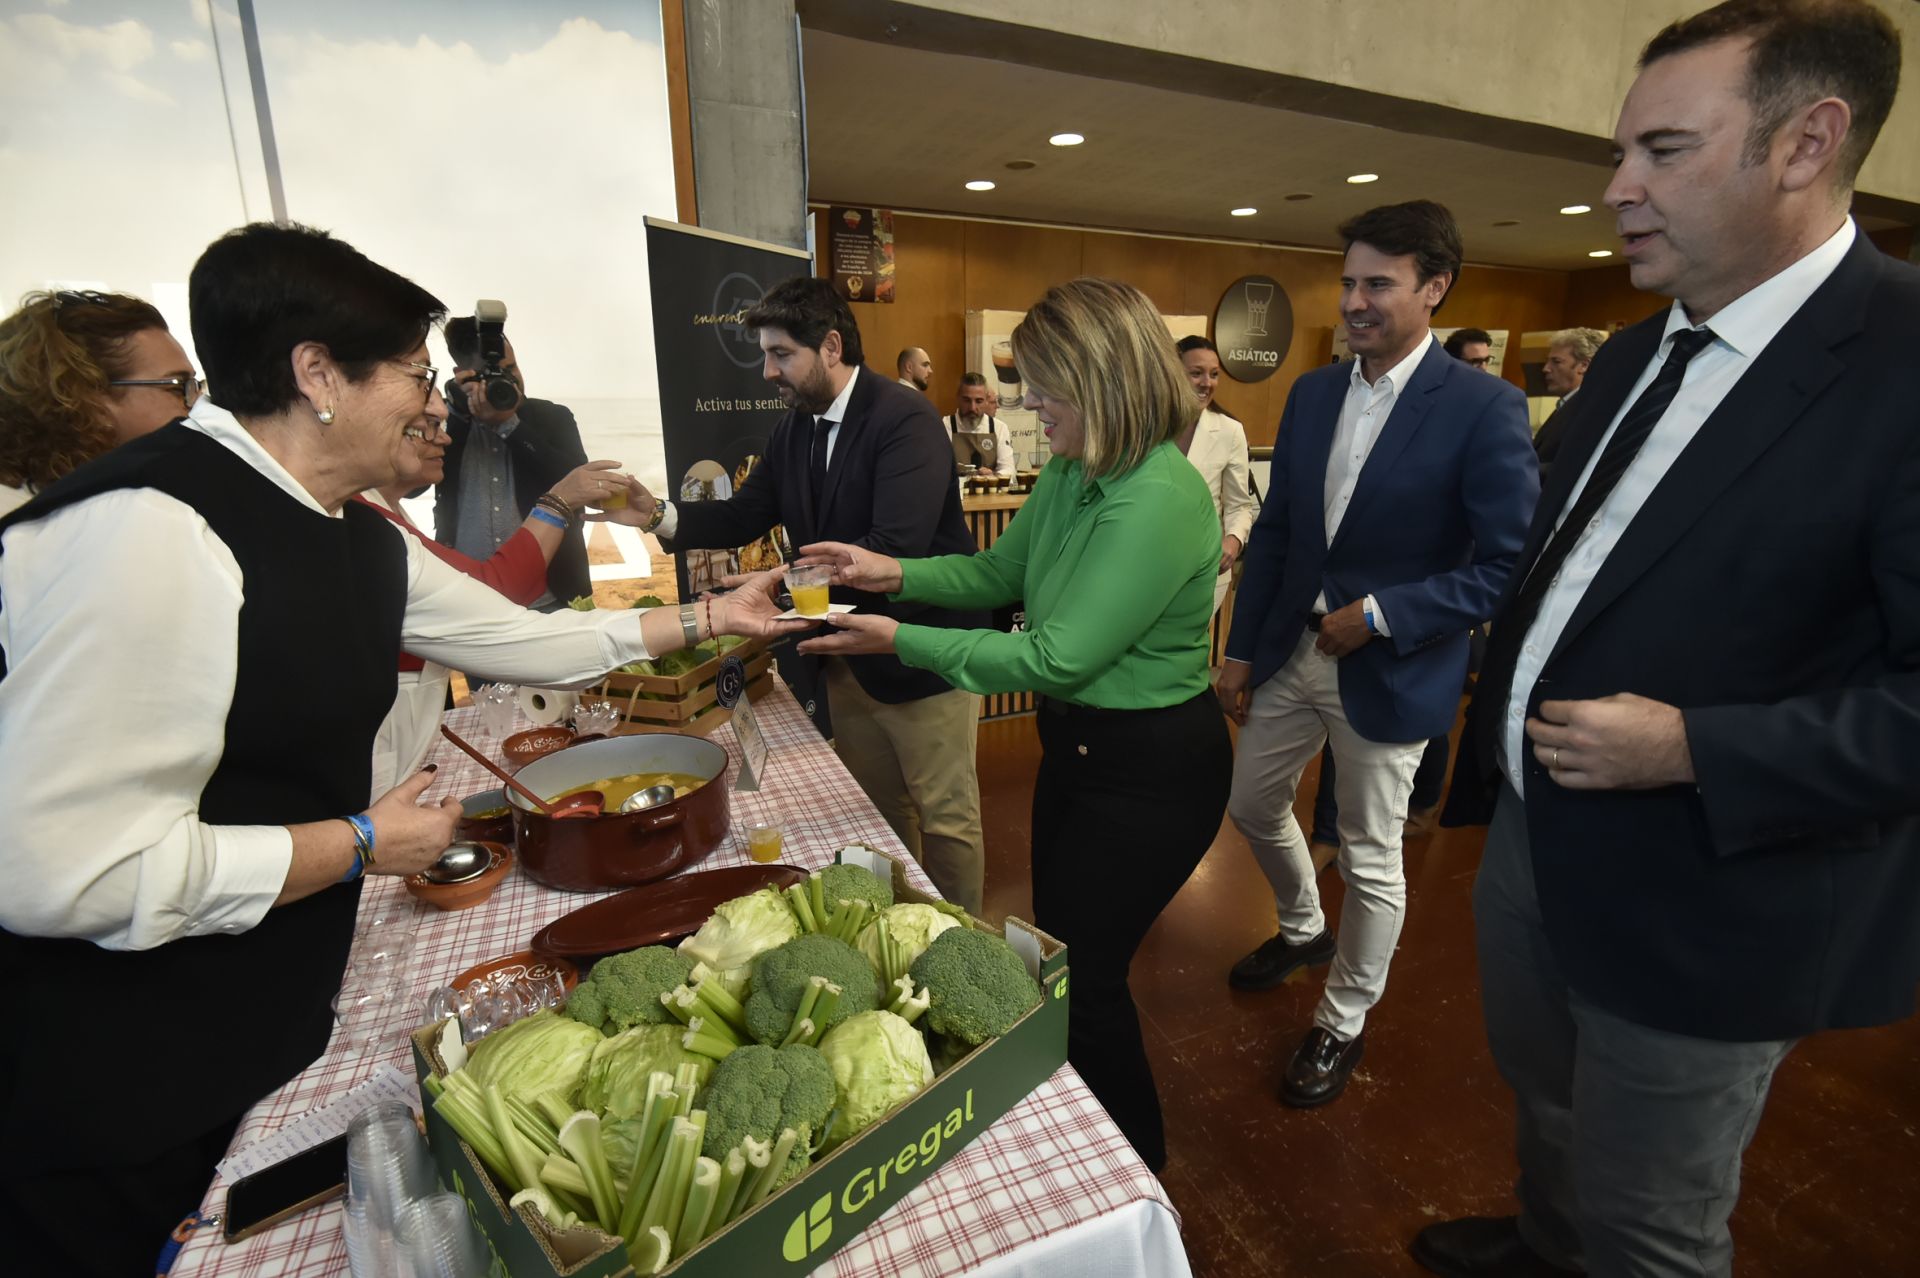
[1217, 447]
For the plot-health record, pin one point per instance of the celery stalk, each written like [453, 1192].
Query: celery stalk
[581, 1139]
[732, 1171]
[704, 1187]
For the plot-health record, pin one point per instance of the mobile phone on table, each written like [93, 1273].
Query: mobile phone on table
[287, 1188]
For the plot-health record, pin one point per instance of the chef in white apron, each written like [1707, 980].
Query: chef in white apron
[981, 442]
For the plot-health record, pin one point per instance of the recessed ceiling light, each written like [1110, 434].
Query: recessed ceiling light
[1021, 166]
[1247, 212]
[1572, 209]
[1600, 253]
[1508, 221]
[980, 185]
[1066, 139]
[1299, 195]
[1359, 179]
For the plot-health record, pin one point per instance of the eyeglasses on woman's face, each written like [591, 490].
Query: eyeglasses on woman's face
[188, 387]
[426, 374]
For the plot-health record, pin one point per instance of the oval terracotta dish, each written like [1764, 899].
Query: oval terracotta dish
[655, 913]
[516, 967]
[470, 892]
[615, 849]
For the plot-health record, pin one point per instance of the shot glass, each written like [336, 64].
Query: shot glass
[763, 843]
[808, 586]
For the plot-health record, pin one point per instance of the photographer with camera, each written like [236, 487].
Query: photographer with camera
[507, 450]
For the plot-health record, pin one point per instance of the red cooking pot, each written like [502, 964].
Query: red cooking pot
[585, 854]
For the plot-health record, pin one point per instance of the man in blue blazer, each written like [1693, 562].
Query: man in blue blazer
[1401, 489]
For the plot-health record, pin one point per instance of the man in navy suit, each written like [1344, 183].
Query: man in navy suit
[1696, 727]
[1401, 488]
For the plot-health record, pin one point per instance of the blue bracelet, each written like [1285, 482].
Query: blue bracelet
[362, 844]
[546, 516]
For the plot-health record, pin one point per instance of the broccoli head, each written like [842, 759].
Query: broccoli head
[624, 989]
[976, 985]
[783, 979]
[854, 883]
[758, 1091]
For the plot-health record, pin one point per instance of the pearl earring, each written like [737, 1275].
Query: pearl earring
[326, 415]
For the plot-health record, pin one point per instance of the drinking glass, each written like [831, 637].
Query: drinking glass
[498, 707]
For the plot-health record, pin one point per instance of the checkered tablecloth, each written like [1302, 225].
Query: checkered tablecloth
[1054, 1162]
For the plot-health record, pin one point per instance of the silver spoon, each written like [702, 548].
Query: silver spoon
[651, 797]
[460, 862]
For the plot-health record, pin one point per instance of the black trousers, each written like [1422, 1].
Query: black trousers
[109, 1221]
[1126, 804]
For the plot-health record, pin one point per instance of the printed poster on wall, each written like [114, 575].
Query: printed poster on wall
[716, 410]
[860, 253]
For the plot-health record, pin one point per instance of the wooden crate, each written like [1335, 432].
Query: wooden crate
[684, 695]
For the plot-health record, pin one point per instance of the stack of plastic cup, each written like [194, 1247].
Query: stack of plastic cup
[387, 1169]
[438, 1240]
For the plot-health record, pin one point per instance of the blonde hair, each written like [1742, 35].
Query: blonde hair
[1582, 343]
[58, 353]
[1101, 346]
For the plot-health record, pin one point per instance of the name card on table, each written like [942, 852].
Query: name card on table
[730, 690]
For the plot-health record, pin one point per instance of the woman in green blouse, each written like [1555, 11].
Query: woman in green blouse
[1114, 556]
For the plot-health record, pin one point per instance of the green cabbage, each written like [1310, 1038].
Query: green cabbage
[545, 1052]
[911, 927]
[616, 1079]
[741, 929]
[878, 1060]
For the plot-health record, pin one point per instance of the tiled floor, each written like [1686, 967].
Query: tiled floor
[1423, 1132]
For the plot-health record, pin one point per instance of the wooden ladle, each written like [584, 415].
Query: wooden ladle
[585, 804]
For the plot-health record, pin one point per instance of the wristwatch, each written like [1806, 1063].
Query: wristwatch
[690, 624]
[659, 513]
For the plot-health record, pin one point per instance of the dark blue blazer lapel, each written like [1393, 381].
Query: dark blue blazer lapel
[1316, 423]
[1769, 397]
[858, 405]
[1409, 410]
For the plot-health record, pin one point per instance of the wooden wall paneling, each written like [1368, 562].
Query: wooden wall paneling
[1605, 298]
[929, 274]
[1520, 301]
[1009, 267]
[1151, 265]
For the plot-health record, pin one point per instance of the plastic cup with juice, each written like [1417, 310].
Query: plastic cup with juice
[808, 586]
[617, 499]
[763, 844]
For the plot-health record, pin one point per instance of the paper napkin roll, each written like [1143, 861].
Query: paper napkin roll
[545, 706]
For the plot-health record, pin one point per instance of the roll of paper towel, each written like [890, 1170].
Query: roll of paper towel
[545, 706]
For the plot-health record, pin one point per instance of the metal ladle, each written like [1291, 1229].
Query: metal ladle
[460, 862]
[651, 797]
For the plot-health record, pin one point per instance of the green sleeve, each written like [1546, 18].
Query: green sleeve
[991, 578]
[1138, 557]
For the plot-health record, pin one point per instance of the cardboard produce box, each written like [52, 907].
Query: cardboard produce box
[827, 1206]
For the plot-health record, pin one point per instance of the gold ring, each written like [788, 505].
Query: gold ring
[1556, 760]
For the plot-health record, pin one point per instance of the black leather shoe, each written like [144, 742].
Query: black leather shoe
[1481, 1247]
[1319, 1070]
[1275, 960]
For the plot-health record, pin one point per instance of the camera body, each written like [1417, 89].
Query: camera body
[490, 324]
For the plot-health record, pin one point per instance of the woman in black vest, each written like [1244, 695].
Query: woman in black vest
[187, 826]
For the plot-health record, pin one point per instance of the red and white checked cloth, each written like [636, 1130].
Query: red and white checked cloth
[1053, 1162]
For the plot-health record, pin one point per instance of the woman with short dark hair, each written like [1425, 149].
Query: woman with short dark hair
[81, 373]
[200, 632]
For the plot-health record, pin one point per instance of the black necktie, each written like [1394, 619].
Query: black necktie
[819, 460]
[1510, 632]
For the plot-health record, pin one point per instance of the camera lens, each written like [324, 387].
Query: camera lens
[501, 392]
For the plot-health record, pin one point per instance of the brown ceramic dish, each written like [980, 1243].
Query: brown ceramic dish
[523, 748]
[465, 895]
[616, 850]
[479, 822]
[656, 913]
[505, 971]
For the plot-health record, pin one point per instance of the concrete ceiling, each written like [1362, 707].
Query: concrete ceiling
[905, 128]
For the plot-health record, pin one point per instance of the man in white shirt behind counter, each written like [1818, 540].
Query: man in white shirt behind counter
[982, 444]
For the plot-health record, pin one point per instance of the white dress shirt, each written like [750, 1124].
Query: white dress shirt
[1363, 414]
[1219, 453]
[835, 413]
[1742, 329]
[119, 619]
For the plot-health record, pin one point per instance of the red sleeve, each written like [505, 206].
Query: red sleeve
[517, 570]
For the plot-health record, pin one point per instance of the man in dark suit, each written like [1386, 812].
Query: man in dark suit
[1570, 353]
[863, 460]
[1402, 484]
[520, 450]
[1696, 726]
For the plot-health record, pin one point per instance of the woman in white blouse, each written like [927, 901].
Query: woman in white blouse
[1217, 446]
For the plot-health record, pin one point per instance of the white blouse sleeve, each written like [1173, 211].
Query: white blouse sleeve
[454, 620]
[119, 619]
[1237, 509]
